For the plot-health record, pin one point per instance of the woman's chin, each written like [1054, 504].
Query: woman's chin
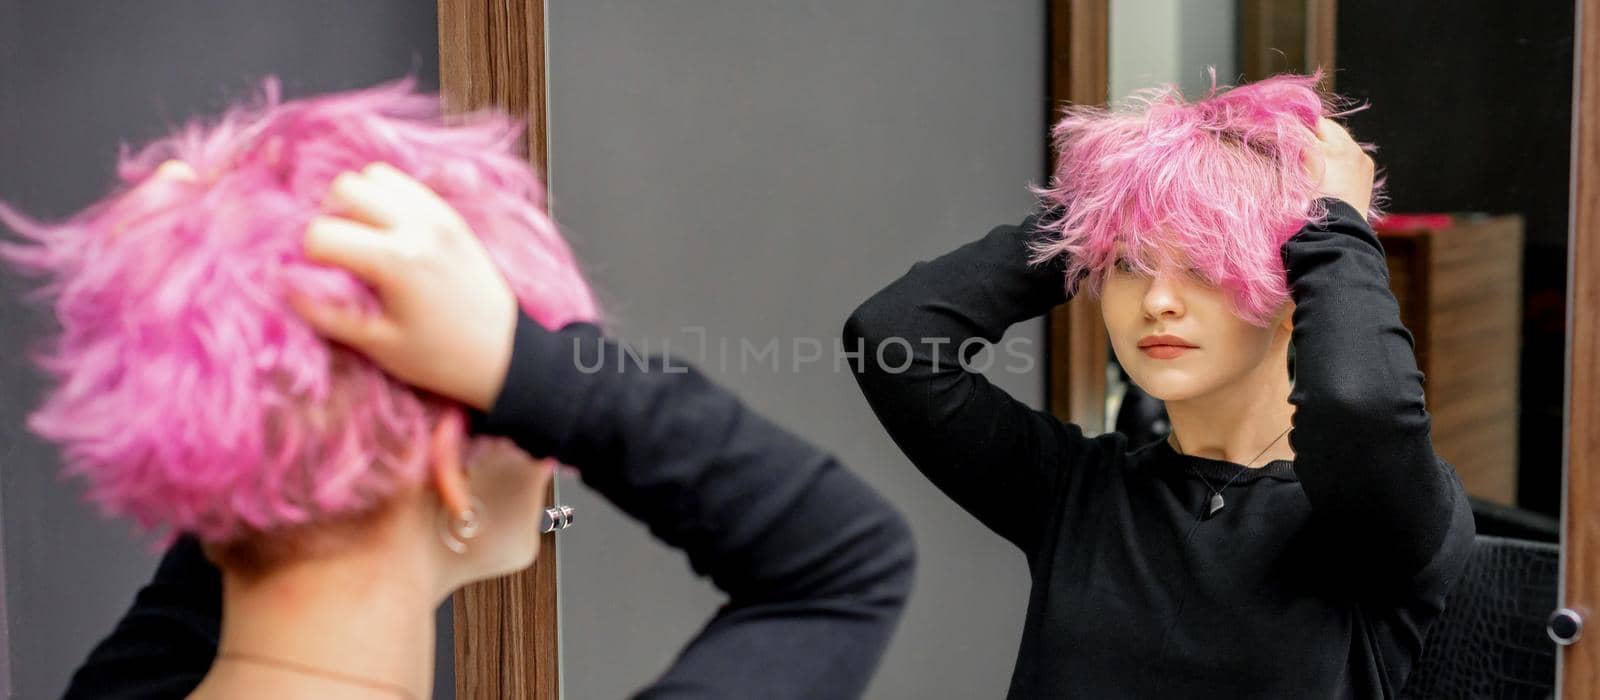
[1167, 388]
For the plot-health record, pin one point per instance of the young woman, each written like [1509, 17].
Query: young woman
[1295, 535]
[341, 505]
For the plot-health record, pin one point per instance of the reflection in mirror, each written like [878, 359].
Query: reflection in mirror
[1470, 110]
[1476, 163]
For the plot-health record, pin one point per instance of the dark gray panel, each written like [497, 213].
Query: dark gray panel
[76, 79]
[755, 169]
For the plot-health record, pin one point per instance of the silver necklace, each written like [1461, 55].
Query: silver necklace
[1217, 502]
[396, 689]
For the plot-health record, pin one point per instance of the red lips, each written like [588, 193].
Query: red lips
[1151, 340]
[1164, 347]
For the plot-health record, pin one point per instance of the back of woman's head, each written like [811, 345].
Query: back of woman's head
[1220, 180]
[186, 392]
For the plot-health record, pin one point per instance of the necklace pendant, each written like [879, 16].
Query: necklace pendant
[1216, 504]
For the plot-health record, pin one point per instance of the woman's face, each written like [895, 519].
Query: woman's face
[1178, 301]
[511, 487]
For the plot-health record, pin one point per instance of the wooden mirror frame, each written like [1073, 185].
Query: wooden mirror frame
[1076, 345]
[492, 53]
[1075, 340]
[1579, 664]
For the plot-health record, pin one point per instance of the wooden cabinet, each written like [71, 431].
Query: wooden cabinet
[1459, 284]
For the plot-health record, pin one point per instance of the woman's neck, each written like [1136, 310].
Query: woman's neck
[1237, 423]
[358, 624]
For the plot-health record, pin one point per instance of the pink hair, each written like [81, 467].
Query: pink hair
[187, 393]
[1220, 180]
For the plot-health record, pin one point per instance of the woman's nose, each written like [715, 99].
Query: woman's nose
[1162, 296]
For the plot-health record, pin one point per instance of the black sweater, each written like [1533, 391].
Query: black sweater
[816, 566]
[1319, 577]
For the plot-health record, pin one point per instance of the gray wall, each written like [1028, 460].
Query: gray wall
[756, 168]
[76, 79]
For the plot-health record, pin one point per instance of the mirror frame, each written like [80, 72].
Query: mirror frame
[1075, 390]
[507, 645]
[1078, 54]
[1578, 667]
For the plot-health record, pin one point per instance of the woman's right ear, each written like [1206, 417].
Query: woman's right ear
[445, 448]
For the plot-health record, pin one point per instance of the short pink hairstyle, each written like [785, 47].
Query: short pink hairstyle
[187, 393]
[1220, 180]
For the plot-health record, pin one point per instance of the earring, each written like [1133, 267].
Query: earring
[456, 530]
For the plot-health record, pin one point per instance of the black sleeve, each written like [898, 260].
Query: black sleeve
[163, 647]
[995, 456]
[1361, 432]
[817, 567]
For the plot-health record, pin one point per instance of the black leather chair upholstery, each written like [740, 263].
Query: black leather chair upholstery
[1491, 642]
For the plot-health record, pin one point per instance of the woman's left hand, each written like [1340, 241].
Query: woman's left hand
[1341, 167]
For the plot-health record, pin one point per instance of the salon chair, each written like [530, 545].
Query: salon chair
[1491, 640]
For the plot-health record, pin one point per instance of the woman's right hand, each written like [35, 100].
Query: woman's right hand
[448, 313]
[1342, 168]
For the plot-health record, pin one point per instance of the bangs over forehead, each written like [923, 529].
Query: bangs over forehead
[1218, 184]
